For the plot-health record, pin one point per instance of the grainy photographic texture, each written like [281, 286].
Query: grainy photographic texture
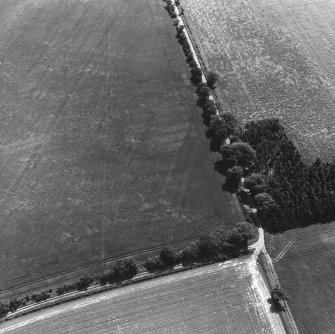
[219, 298]
[304, 260]
[275, 59]
[103, 152]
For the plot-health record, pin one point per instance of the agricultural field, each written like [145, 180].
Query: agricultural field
[275, 59]
[219, 298]
[102, 147]
[304, 261]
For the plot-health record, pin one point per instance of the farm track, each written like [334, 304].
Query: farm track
[187, 302]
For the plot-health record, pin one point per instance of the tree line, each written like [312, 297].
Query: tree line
[120, 270]
[219, 245]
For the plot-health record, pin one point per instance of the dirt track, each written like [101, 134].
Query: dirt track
[221, 298]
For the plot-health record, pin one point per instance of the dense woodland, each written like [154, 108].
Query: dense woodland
[302, 194]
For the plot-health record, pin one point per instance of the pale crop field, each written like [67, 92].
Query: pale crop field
[275, 59]
[216, 299]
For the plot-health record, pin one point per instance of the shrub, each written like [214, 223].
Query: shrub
[180, 30]
[247, 230]
[196, 75]
[239, 153]
[125, 268]
[208, 246]
[230, 122]
[14, 304]
[255, 183]
[106, 278]
[230, 250]
[264, 202]
[4, 309]
[190, 253]
[209, 107]
[278, 296]
[39, 297]
[193, 63]
[83, 283]
[233, 178]
[169, 256]
[203, 90]
[153, 264]
[238, 239]
[212, 78]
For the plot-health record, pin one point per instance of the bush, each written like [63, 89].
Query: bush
[212, 78]
[14, 304]
[238, 239]
[106, 278]
[193, 63]
[39, 297]
[209, 107]
[196, 75]
[203, 90]
[169, 256]
[230, 250]
[239, 153]
[230, 122]
[180, 30]
[255, 183]
[209, 246]
[278, 296]
[83, 283]
[233, 178]
[125, 268]
[4, 309]
[190, 253]
[153, 264]
[264, 202]
[247, 230]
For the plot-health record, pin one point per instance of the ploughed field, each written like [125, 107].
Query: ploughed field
[218, 298]
[304, 260]
[102, 148]
[275, 59]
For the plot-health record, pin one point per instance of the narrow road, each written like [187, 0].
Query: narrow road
[260, 285]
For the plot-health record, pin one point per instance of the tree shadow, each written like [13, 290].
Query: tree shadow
[222, 166]
[230, 187]
[276, 307]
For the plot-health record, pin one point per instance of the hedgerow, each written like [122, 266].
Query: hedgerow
[218, 245]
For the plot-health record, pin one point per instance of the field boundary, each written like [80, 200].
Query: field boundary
[271, 278]
[196, 53]
[141, 277]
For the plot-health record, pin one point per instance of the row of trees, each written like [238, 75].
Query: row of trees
[121, 270]
[218, 245]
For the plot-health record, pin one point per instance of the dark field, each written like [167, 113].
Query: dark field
[275, 58]
[102, 152]
[306, 269]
